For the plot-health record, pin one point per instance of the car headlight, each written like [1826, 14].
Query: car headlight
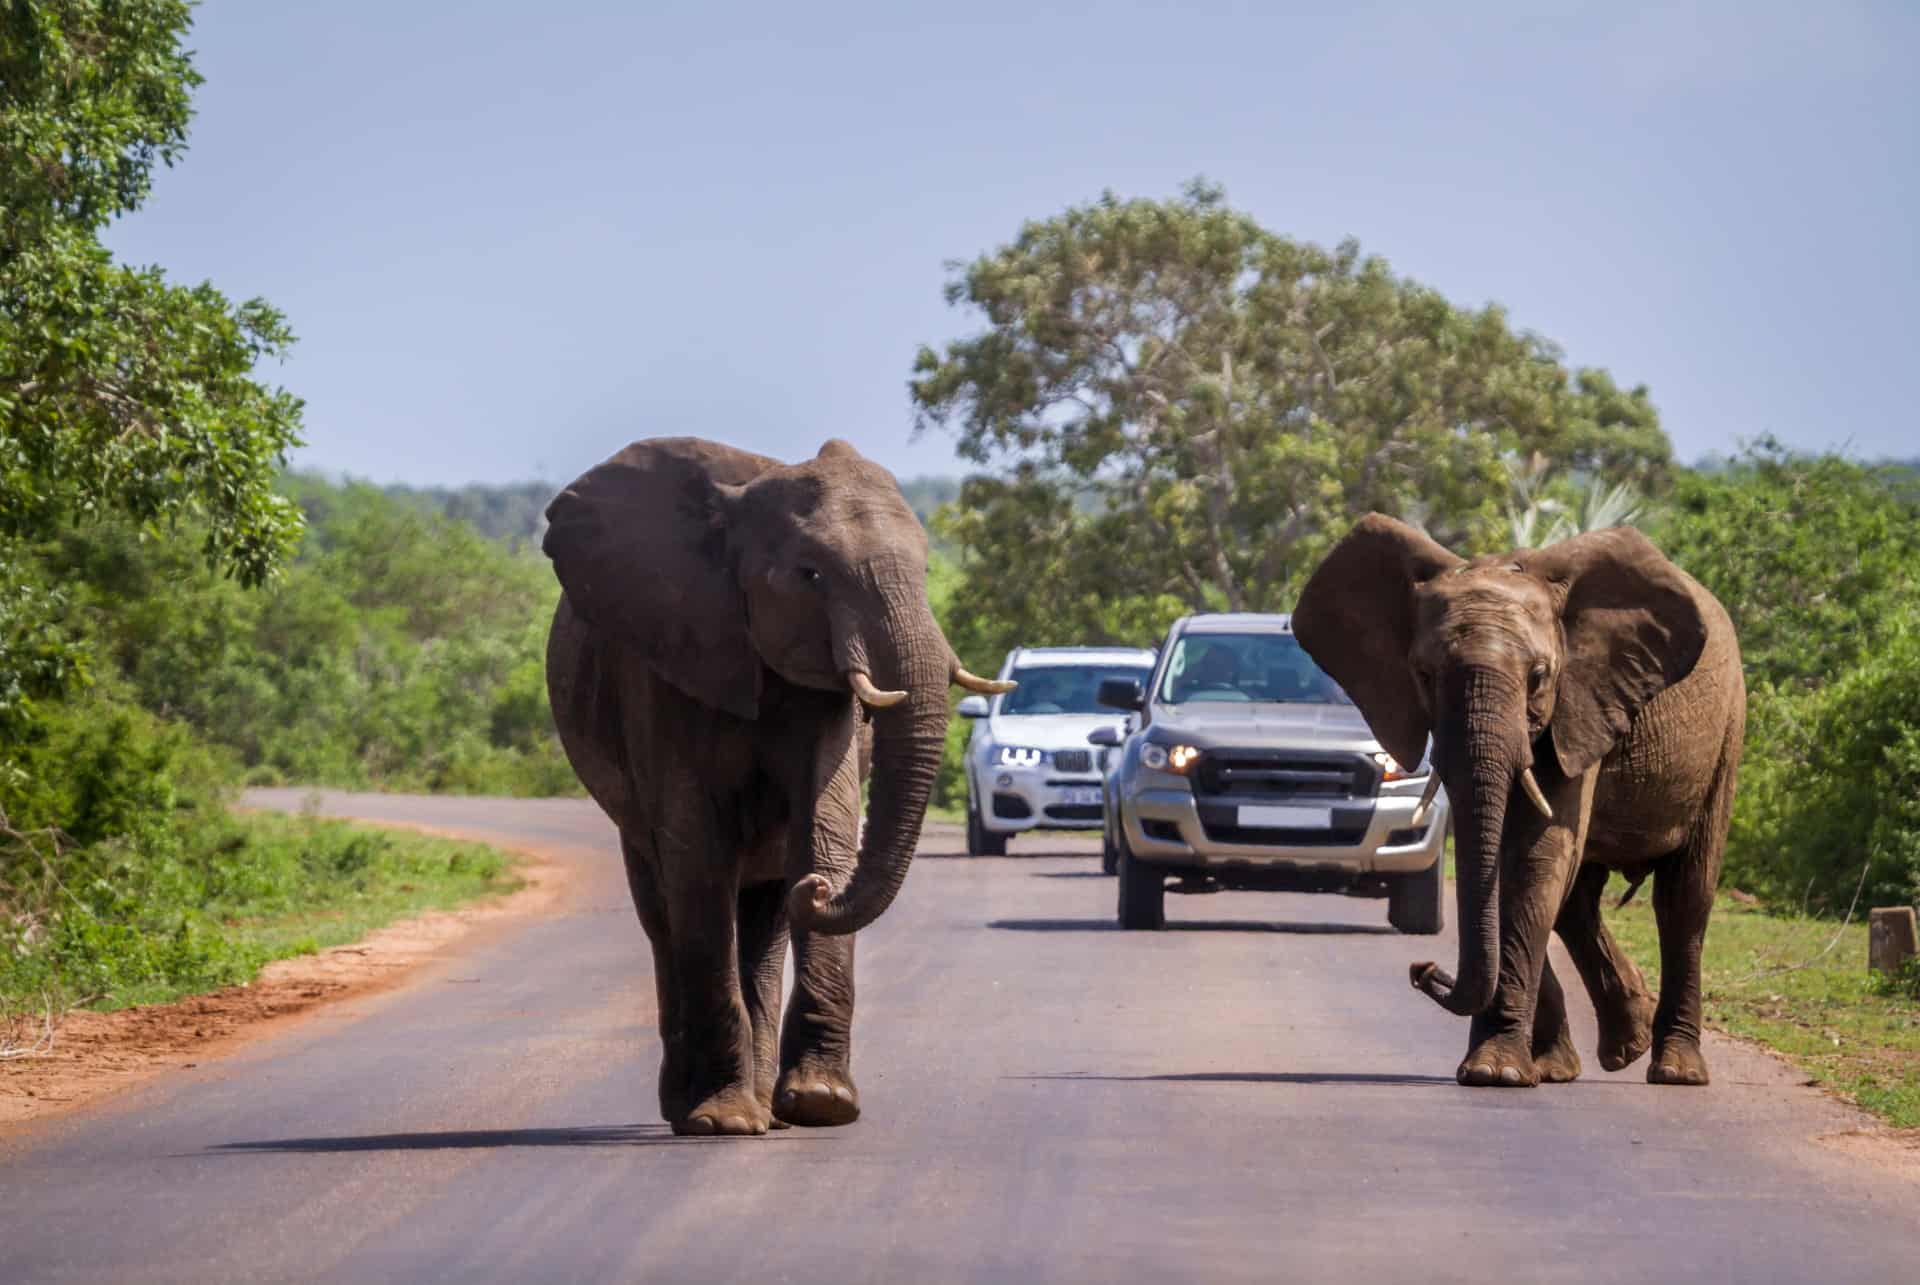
[1017, 756]
[1169, 758]
[1390, 769]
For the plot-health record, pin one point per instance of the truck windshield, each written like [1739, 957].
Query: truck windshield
[1246, 667]
[1065, 689]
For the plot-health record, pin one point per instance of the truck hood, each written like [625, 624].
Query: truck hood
[1049, 731]
[1260, 724]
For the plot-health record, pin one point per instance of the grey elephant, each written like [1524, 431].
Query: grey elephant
[727, 627]
[1586, 706]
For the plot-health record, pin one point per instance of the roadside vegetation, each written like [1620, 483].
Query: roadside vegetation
[164, 628]
[1798, 984]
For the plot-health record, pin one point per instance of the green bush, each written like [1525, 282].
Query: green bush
[204, 902]
[1830, 787]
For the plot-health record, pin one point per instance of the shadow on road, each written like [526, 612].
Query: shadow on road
[1260, 1077]
[1070, 874]
[1107, 925]
[604, 1135]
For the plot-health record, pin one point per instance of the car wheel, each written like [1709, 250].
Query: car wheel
[982, 842]
[1109, 859]
[1143, 890]
[1416, 903]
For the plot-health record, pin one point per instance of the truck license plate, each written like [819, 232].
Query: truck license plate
[1081, 794]
[1280, 817]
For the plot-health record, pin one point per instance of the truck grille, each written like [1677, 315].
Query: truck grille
[1073, 760]
[1288, 774]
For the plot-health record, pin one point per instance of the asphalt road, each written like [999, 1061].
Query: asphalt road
[1254, 1094]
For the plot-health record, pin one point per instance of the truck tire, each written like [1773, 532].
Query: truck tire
[1416, 903]
[1143, 890]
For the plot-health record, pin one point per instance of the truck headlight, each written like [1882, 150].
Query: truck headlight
[1169, 758]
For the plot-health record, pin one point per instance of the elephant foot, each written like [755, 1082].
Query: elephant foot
[1626, 1033]
[1501, 1061]
[732, 1112]
[1559, 1063]
[816, 1098]
[1678, 1062]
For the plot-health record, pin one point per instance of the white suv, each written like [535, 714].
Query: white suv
[1029, 766]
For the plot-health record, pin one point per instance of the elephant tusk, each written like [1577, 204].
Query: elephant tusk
[985, 686]
[1426, 800]
[869, 694]
[1532, 787]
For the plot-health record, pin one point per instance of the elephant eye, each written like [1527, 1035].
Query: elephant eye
[810, 574]
[1538, 677]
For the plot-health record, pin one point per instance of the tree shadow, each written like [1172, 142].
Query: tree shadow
[1259, 1077]
[1107, 925]
[602, 1135]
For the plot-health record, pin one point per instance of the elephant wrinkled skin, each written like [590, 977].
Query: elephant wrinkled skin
[1586, 707]
[736, 640]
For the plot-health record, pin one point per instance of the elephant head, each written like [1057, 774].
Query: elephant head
[1505, 661]
[720, 567]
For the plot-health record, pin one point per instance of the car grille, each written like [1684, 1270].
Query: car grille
[1073, 760]
[1276, 838]
[1074, 811]
[1287, 774]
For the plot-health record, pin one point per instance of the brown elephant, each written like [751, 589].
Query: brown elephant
[720, 613]
[1586, 706]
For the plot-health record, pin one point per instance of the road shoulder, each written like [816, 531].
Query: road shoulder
[93, 1056]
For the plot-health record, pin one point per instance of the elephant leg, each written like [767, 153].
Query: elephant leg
[763, 958]
[704, 910]
[1533, 887]
[1619, 993]
[1683, 888]
[1554, 1057]
[816, 1045]
[652, 908]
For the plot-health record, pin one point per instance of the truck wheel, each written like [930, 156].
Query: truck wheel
[1416, 903]
[1109, 859]
[1143, 890]
[982, 842]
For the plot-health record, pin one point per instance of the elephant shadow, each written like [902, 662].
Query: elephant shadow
[599, 1135]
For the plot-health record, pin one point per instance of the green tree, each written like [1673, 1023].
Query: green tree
[1185, 408]
[1812, 555]
[120, 392]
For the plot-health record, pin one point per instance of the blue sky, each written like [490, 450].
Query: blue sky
[514, 237]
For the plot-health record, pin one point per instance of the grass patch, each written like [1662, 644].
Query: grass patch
[1766, 979]
[198, 907]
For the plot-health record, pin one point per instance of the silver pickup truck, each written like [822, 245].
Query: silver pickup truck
[1244, 766]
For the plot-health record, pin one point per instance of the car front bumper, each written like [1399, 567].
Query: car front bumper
[1165, 827]
[1043, 798]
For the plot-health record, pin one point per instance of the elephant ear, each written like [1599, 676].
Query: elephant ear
[1633, 628]
[640, 546]
[1355, 618]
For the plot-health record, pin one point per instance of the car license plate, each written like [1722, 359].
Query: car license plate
[1081, 794]
[1278, 817]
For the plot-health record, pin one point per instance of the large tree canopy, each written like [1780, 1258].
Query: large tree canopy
[1184, 407]
[121, 392]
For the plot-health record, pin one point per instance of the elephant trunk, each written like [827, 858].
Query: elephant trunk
[909, 738]
[1480, 772]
